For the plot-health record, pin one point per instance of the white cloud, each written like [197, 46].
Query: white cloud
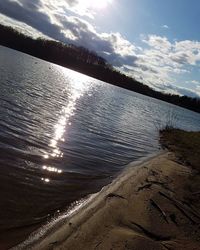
[83, 8]
[162, 61]
[165, 26]
[198, 90]
[195, 82]
[158, 43]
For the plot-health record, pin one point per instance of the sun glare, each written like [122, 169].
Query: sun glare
[101, 4]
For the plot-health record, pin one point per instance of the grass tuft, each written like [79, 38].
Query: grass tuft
[185, 145]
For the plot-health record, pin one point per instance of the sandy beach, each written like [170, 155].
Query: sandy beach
[150, 206]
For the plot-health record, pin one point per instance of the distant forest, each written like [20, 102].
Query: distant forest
[86, 62]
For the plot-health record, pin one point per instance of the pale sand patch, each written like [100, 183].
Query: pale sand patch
[149, 206]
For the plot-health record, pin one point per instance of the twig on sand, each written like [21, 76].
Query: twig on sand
[150, 234]
[144, 187]
[154, 204]
[175, 203]
[111, 195]
[196, 193]
[98, 244]
[162, 184]
[173, 219]
[166, 246]
[150, 183]
[53, 243]
[192, 210]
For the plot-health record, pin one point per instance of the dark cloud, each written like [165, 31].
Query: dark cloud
[85, 35]
[148, 68]
[119, 60]
[29, 13]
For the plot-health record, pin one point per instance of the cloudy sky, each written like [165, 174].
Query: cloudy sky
[155, 41]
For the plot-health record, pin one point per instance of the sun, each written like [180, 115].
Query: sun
[101, 4]
[98, 4]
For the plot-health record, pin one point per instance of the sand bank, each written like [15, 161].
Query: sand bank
[149, 206]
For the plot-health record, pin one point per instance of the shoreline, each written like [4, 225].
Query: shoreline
[123, 212]
[77, 206]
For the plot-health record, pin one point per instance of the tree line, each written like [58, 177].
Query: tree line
[86, 62]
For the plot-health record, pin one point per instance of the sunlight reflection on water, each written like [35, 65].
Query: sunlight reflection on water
[78, 88]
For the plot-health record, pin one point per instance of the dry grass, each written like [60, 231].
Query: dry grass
[185, 145]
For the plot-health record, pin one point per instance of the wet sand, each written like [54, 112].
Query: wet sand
[154, 205]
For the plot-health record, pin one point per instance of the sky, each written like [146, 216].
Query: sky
[156, 42]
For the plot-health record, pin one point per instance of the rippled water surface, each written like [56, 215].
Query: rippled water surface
[64, 135]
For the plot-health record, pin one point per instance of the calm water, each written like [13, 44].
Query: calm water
[64, 135]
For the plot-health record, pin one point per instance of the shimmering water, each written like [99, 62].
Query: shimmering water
[64, 135]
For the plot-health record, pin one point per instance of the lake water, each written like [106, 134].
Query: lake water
[64, 135]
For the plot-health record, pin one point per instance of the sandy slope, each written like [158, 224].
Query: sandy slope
[151, 206]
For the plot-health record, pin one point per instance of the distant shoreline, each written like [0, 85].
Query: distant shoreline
[87, 62]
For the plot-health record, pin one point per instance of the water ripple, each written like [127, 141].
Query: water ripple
[64, 135]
